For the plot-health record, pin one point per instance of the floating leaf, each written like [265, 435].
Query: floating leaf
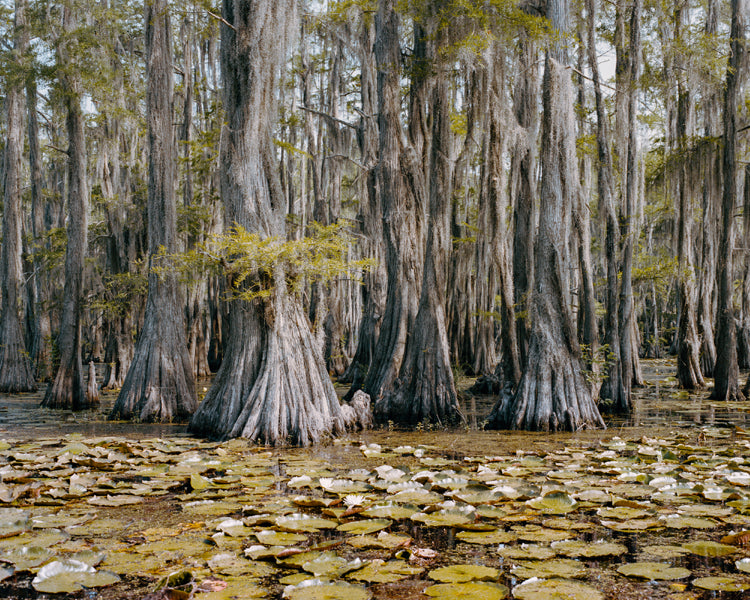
[365, 526]
[562, 589]
[468, 591]
[27, 557]
[231, 564]
[527, 552]
[653, 571]
[709, 549]
[67, 576]
[577, 549]
[486, 537]
[461, 573]
[447, 517]
[277, 538]
[302, 522]
[316, 589]
[559, 567]
[380, 571]
[722, 584]
[554, 503]
[383, 540]
[391, 510]
[328, 564]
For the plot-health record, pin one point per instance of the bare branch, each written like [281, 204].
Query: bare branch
[327, 116]
[222, 19]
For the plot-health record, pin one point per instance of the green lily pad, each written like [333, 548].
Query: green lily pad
[446, 517]
[67, 576]
[228, 563]
[709, 549]
[302, 522]
[527, 552]
[722, 584]
[462, 573]
[270, 537]
[666, 552]
[471, 590]
[578, 549]
[565, 568]
[486, 538]
[329, 564]
[681, 522]
[316, 589]
[365, 526]
[653, 571]
[559, 589]
[391, 510]
[384, 540]
[554, 503]
[27, 557]
[380, 571]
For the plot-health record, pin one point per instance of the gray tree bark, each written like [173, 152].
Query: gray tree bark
[272, 386]
[159, 385]
[16, 372]
[726, 373]
[553, 394]
[68, 389]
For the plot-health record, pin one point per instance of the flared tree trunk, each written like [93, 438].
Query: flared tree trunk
[272, 386]
[425, 390]
[726, 373]
[68, 389]
[160, 385]
[553, 394]
[16, 372]
[400, 187]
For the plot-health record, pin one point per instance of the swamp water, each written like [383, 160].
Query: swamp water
[655, 507]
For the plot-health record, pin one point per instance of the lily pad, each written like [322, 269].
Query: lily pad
[565, 568]
[380, 571]
[328, 564]
[391, 510]
[365, 526]
[472, 590]
[577, 549]
[653, 571]
[559, 589]
[67, 576]
[462, 573]
[302, 522]
[446, 517]
[709, 549]
[486, 538]
[270, 537]
[554, 503]
[315, 589]
[27, 557]
[722, 584]
[384, 540]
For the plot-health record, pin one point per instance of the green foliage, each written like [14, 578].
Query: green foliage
[253, 264]
[659, 268]
[193, 219]
[49, 248]
[120, 290]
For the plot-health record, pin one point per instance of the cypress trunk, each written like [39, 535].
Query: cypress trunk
[16, 373]
[159, 385]
[272, 386]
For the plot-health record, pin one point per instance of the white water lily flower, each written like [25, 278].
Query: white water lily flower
[354, 500]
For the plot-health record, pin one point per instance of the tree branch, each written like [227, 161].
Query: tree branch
[327, 116]
[222, 19]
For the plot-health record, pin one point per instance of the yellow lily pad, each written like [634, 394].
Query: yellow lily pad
[321, 590]
[565, 568]
[67, 576]
[559, 589]
[708, 548]
[653, 571]
[554, 503]
[380, 571]
[301, 522]
[486, 538]
[269, 537]
[471, 590]
[722, 584]
[462, 573]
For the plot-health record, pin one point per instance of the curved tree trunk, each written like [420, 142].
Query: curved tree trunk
[726, 373]
[68, 390]
[159, 385]
[425, 390]
[553, 394]
[272, 386]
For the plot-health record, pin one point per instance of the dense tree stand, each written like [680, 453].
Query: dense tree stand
[553, 394]
[273, 386]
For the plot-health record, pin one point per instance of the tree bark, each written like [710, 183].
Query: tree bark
[16, 372]
[159, 385]
[68, 390]
[400, 185]
[272, 385]
[425, 390]
[726, 373]
[553, 394]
